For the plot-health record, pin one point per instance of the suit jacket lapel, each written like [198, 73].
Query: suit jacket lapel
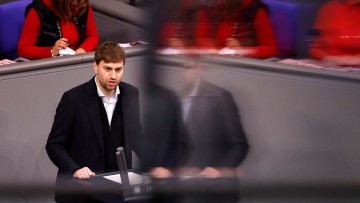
[90, 99]
[126, 110]
[198, 102]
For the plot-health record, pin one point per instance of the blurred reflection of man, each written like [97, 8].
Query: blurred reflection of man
[163, 138]
[217, 140]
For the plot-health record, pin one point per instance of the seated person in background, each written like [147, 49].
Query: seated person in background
[178, 29]
[215, 24]
[238, 24]
[338, 42]
[52, 25]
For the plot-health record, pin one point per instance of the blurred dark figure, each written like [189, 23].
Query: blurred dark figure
[338, 42]
[163, 137]
[163, 141]
[217, 141]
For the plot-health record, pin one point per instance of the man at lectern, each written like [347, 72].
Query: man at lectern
[93, 119]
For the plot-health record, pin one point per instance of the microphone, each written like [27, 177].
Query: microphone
[121, 161]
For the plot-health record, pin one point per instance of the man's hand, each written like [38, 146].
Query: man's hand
[83, 173]
[232, 43]
[161, 172]
[210, 172]
[176, 42]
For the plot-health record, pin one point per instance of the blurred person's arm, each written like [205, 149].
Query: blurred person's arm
[267, 46]
[324, 46]
[202, 35]
[318, 50]
[27, 42]
[91, 36]
[234, 135]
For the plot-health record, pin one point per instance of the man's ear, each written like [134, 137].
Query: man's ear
[96, 67]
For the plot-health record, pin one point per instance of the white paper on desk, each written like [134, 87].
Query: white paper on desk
[133, 177]
[66, 51]
[231, 51]
[170, 51]
[125, 45]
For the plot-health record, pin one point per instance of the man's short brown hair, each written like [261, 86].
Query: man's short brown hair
[110, 52]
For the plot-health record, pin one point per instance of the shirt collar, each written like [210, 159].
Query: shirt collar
[195, 90]
[102, 95]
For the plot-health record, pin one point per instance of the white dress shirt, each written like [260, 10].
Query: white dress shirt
[108, 104]
[186, 101]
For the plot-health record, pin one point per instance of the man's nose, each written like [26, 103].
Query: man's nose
[113, 75]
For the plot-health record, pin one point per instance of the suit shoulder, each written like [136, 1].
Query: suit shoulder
[212, 90]
[128, 87]
[76, 89]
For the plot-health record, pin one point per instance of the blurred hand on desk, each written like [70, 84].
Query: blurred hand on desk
[6, 62]
[161, 172]
[232, 43]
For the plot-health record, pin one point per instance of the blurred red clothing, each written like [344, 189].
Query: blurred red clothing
[203, 28]
[27, 43]
[339, 26]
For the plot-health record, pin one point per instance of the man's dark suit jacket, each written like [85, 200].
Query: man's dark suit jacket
[76, 139]
[215, 132]
[164, 134]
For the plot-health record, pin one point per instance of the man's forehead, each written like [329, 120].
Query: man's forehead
[112, 64]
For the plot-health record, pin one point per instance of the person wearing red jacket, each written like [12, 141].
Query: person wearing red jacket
[177, 30]
[215, 24]
[338, 42]
[238, 24]
[52, 25]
